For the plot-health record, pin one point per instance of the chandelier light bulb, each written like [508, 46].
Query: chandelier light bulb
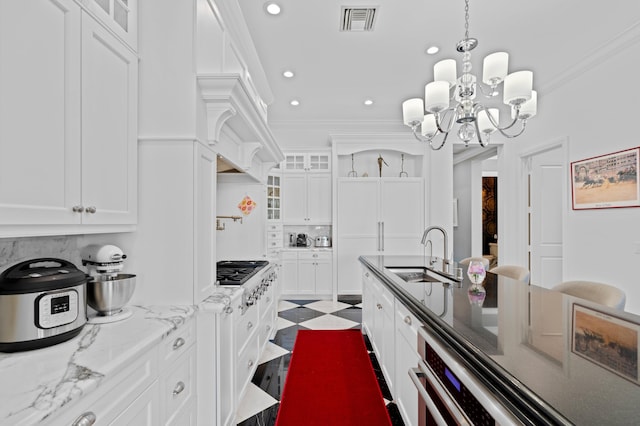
[412, 111]
[484, 123]
[494, 68]
[429, 128]
[530, 108]
[445, 70]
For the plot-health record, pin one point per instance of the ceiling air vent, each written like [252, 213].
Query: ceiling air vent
[357, 18]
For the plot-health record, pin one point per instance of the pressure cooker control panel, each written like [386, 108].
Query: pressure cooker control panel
[56, 308]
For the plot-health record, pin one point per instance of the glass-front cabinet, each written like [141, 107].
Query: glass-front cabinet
[273, 197]
[308, 161]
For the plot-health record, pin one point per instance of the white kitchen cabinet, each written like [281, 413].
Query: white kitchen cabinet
[406, 357]
[306, 273]
[306, 198]
[376, 216]
[78, 164]
[143, 411]
[273, 197]
[307, 161]
[120, 16]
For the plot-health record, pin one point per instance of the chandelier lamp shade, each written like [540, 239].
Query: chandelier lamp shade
[450, 100]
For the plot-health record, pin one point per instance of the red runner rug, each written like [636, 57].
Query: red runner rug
[331, 382]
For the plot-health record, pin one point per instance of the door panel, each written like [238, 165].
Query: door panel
[358, 208]
[546, 197]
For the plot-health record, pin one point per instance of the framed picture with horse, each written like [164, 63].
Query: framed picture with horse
[607, 181]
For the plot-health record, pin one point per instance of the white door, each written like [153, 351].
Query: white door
[39, 112]
[546, 194]
[109, 127]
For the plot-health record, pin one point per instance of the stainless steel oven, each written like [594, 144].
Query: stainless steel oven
[448, 393]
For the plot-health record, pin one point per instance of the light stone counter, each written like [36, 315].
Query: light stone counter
[37, 384]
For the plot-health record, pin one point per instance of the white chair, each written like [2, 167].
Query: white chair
[512, 271]
[485, 262]
[603, 294]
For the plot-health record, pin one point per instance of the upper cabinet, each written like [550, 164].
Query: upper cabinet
[306, 162]
[68, 135]
[120, 16]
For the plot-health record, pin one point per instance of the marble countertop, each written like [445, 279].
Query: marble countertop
[36, 384]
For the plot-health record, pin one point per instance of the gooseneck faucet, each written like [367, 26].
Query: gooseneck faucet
[445, 260]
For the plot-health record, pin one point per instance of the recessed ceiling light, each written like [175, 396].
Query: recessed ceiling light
[295, 102]
[272, 8]
[368, 102]
[432, 50]
[288, 73]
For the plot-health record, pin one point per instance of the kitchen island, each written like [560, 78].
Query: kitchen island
[520, 342]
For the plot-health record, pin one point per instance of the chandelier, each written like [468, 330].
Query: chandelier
[476, 120]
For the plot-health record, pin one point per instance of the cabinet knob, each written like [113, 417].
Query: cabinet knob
[178, 389]
[228, 309]
[407, 320]
[250, 364]
[85, 419]
[77, 209]
[91, 209]
[178, 343]
[249, 326]
[379, 306]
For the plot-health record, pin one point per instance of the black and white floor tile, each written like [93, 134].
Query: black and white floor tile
[259, 406]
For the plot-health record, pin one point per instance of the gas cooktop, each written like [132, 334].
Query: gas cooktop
[237, 272]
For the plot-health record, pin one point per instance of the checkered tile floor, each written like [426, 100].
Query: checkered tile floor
[259, 406]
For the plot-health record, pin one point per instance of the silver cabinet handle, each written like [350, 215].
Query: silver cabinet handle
[91, 209]
[407, 320]
[178, 389]
[228, 309]
[431, 406]
[379, 306]
[85, 419]
[249, 326]
[250, 364]
[178, 343]
[77, 209]
[366, 274]
[382, 236]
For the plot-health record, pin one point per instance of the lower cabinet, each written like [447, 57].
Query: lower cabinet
[307, 273]
[157, 388]
[392, 330]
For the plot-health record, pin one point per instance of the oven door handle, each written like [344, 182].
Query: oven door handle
[443, 394]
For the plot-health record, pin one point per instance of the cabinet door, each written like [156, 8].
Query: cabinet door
[318, 196]
[306, 276]
[289, 276]
[324, 277]
[109, 127]
[348, 251]
[402, 214]
[358, 208]
[294, 198]
[39, 112]
[142, 411]
[205, 186]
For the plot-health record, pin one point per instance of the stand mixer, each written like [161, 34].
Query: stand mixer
[108, 290]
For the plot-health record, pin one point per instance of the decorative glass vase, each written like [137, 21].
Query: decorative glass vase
[476, 272]
[476, 294]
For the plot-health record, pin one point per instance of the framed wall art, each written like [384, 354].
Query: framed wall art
[606, 340]
[607, 181]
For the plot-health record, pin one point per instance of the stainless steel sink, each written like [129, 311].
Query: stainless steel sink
[415, 275]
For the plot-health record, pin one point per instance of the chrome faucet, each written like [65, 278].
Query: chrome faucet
[445, 261]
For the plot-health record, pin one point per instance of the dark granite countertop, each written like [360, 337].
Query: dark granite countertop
[527, 343]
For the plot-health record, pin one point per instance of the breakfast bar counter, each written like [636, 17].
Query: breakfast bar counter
[549, 357]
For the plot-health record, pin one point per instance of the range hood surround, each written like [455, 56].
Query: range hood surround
[237, 126]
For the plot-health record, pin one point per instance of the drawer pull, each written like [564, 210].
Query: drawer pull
[250, 364]
[249, 325]
[407, 320]
[178, 389]
[178, 343]
[91, 209]
[77, 209]
[85, 419]
[228, 309]
[379, 306]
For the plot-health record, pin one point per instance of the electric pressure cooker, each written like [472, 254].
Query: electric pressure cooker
[42, 303]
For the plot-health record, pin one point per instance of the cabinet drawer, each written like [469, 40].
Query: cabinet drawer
[247, 361]
[314, 255]
[407, 324]
[289, 255]
[245, 327]
[175, 344]
[274, 227]
[266, 302]
[178, 385]
[108, 401]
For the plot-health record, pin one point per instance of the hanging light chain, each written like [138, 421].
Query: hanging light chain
[466, 19]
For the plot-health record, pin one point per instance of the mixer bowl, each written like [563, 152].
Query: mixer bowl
[108, 297]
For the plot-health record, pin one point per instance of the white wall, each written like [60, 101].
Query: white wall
[599, 245]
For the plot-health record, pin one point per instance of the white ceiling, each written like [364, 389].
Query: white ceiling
[336, 71]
